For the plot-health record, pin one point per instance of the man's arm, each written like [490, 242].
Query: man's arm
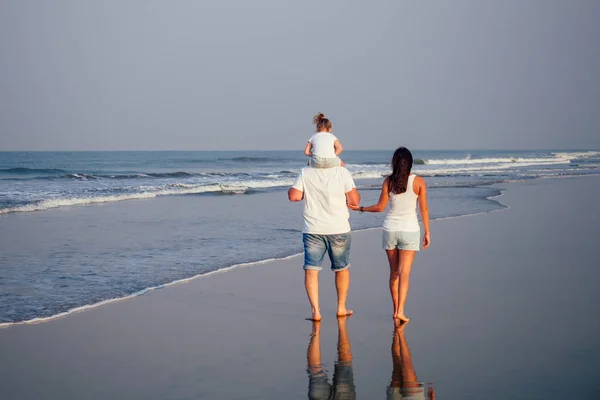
[353, 198]
[295, 194]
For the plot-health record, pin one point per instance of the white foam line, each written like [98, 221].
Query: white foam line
[143, 291]
[152, 193]
[567, 176]
[506, 206]
[556, 158]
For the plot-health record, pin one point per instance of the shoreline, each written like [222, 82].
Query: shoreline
[87, 307]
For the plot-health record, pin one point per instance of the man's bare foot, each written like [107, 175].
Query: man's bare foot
[316, 316]
[401, 317]
[344, 313]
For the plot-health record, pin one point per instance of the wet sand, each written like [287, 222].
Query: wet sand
[504, 305]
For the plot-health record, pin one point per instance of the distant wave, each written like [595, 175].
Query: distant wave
[31, 171]
[370, 174]
[57, 174]
[554, 158]
[148, 193]
[178, 174]
[251, 159]
[503, 160]
[143, 185]
[470, 171]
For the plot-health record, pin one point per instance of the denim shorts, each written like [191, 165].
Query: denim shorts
[401, 240]
[337, 246]
[343, 383]
[318, 384]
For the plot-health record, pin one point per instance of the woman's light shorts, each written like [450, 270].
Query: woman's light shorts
[402, 240]
[324, 162]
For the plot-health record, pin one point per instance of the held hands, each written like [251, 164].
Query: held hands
[353, 207]
[426, 240]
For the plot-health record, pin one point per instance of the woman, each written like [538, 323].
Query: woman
[401, 231]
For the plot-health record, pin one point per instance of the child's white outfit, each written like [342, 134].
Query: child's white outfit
[323, 150]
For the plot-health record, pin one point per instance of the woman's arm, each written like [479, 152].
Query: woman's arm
[308, 150]
[422, 198]
[337, 146]
[381, 204]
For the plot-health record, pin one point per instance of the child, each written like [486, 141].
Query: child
[323, 147]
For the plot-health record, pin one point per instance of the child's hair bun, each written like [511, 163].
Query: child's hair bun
[317, 118]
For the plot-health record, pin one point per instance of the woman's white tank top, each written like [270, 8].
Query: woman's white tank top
[402, 212]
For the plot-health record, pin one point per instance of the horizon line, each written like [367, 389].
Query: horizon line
[276, 150]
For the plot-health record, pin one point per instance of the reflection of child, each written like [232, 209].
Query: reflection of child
[323, 147]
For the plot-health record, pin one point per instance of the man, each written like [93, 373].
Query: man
[343, 377]
[326, 192]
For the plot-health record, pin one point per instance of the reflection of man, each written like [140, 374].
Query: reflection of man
[343, 379]
[404, 383]
[326, 192]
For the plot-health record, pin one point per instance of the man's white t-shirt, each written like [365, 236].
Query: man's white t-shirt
[325, 209]
[322, 144]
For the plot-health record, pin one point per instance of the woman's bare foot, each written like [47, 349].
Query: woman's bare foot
[399, 325]
[344, 313]
[401, 317]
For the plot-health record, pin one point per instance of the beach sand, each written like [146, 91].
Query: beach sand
[504, 305]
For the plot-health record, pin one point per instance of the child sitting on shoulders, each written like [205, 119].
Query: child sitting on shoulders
[323, 147]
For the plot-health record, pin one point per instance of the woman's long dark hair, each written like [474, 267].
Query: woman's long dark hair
[402, 162]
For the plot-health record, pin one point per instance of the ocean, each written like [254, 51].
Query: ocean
[80, 228]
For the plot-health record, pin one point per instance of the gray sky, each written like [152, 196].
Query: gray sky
[240, 74]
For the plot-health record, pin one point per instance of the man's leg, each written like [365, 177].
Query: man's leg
[318, 386]
[342, 283]
[339, 254]
[314, 252]
[311, 282]
[343, 377]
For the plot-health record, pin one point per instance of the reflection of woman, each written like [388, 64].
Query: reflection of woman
[343, 380]
[401, 231]
[404, 384]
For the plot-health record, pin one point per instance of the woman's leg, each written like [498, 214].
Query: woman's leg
[393, 257]
[405, 262]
